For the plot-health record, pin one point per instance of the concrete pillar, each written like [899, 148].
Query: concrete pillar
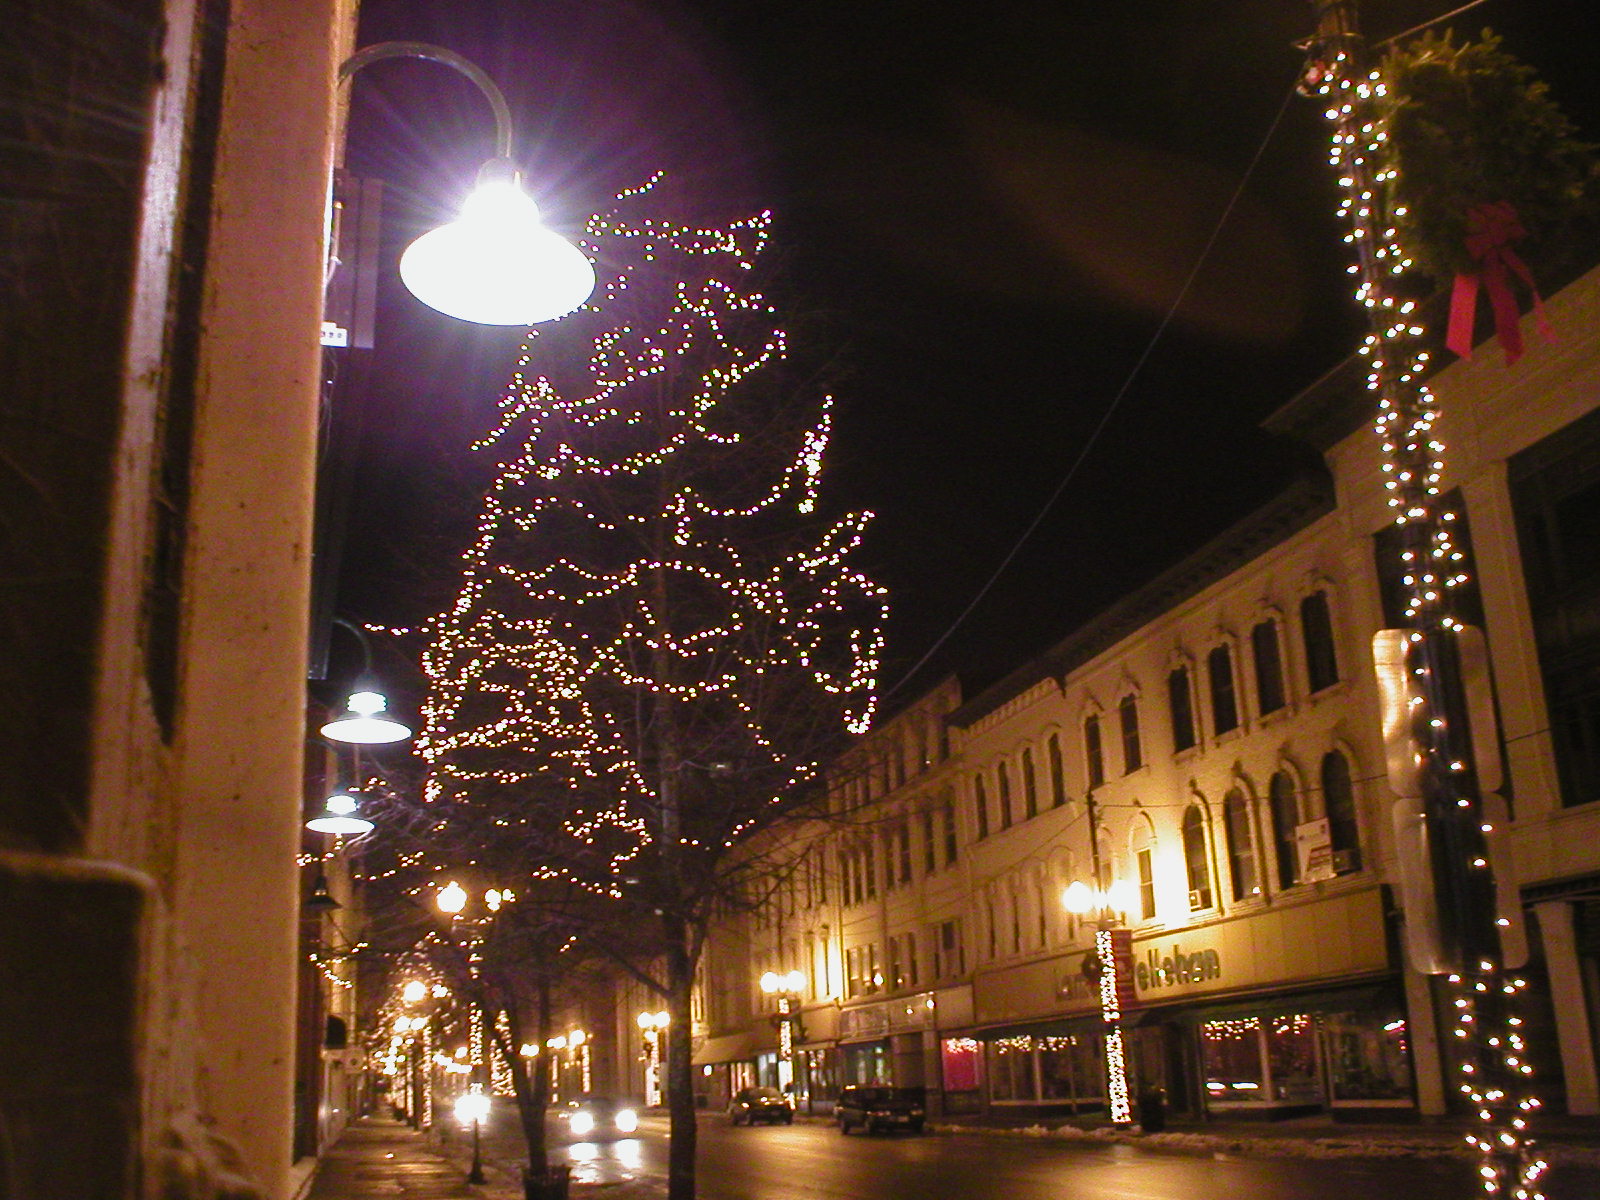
[240, 728]
[1574, 1032]
[1422, 1025]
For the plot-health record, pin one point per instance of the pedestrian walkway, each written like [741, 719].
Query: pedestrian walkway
[380, 1159]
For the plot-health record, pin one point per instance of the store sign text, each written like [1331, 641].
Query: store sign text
[1166, 970]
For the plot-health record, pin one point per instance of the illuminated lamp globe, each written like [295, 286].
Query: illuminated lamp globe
[452, 898]
[1077, 898]
[496, 264]
[363, 722]
[339, 816]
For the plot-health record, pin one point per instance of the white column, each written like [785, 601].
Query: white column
[241, 723]
[1422, 1029]
[1574, 1033]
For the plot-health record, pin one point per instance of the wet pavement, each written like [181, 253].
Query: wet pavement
[377, 1157]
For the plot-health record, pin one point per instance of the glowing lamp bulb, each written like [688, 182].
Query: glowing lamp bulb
[364, 723]
[496, 264]
[1077, 898]
[339, 817]
[452, 898]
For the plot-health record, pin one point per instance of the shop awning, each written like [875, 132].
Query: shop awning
[734, 1047]
[1326, 1000]
[1073, 1026]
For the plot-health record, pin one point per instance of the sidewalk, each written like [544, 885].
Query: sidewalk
[379, 1158]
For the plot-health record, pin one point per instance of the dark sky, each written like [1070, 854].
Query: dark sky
[989, 210]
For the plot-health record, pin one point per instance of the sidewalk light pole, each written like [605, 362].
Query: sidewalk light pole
[473, 1106]
[652, 1023]
[1113, 950]
[787, 989]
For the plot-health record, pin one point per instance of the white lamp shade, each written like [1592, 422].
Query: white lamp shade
[496, 264]
[340, 818]
[364, 722]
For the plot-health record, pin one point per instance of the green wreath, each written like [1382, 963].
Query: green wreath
[1469, 126]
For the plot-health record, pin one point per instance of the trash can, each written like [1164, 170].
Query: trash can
[550, 1184]
[1152, 1109]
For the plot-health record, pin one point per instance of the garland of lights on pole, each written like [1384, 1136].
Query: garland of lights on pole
[1487, 1035]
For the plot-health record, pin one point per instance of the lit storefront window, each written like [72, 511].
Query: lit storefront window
[1058, 1069]
[1369, 1058]
[1307, 1060]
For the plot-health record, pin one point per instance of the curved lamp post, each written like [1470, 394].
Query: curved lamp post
[496, 264]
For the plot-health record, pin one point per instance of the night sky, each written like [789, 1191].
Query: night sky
[985, 213]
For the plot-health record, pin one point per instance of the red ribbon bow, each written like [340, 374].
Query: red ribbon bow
[1491, 228]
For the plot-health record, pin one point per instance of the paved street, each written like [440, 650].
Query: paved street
[812, 1162]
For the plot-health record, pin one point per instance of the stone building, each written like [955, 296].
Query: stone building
[1210, 753]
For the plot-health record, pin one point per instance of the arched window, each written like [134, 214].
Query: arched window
[980, 805]
[1339, 801]
[1224, 701]
[1269, 667]
[1030, 785]
[1058, 782]
[1181, 703]
[1093, 751]
[1132, 754]
[1285, 821]
[1004, 778]
[1241, 845]
[1316, 630]
[1142, 842]
[1196, 858]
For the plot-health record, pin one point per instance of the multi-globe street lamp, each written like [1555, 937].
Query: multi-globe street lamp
[1108, 905]
[472, 1107]
[652, 1025]
[786, 988]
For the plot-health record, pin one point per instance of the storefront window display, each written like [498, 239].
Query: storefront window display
[1234, 1061]
[1047, 1069]
[958, 1060]
[867, 1062]
[1301, 1060]
[1369, 1058]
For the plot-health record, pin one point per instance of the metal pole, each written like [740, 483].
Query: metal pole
[476, 1174]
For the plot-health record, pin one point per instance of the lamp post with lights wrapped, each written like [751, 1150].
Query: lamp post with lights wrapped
[1108, 905]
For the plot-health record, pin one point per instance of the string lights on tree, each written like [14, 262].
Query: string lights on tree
[657, 635]
[1490, 1051]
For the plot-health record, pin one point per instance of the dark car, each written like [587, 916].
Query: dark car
[754, 1104]
[880, 1109]
[597, 1119]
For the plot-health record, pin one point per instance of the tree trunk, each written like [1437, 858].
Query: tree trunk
[680, 1070]
[530, 1082]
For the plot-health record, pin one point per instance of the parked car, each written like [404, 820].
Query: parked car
[881, 1109]
[597, 1119]
[754, 1104]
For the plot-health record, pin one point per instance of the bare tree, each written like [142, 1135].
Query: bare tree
[656, 634]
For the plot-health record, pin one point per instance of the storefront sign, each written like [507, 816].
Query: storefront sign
[1171, 967]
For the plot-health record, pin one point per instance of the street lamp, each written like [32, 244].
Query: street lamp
[652, 1024]
[472, 1106]
[787, 989]
[495, 264]
[1113, 947]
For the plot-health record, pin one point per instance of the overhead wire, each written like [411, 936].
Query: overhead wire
[1116, 401]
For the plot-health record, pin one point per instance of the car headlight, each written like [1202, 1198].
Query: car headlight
[582, 1122]
[627, 1120]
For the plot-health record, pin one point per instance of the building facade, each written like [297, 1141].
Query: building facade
[1209, 754]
